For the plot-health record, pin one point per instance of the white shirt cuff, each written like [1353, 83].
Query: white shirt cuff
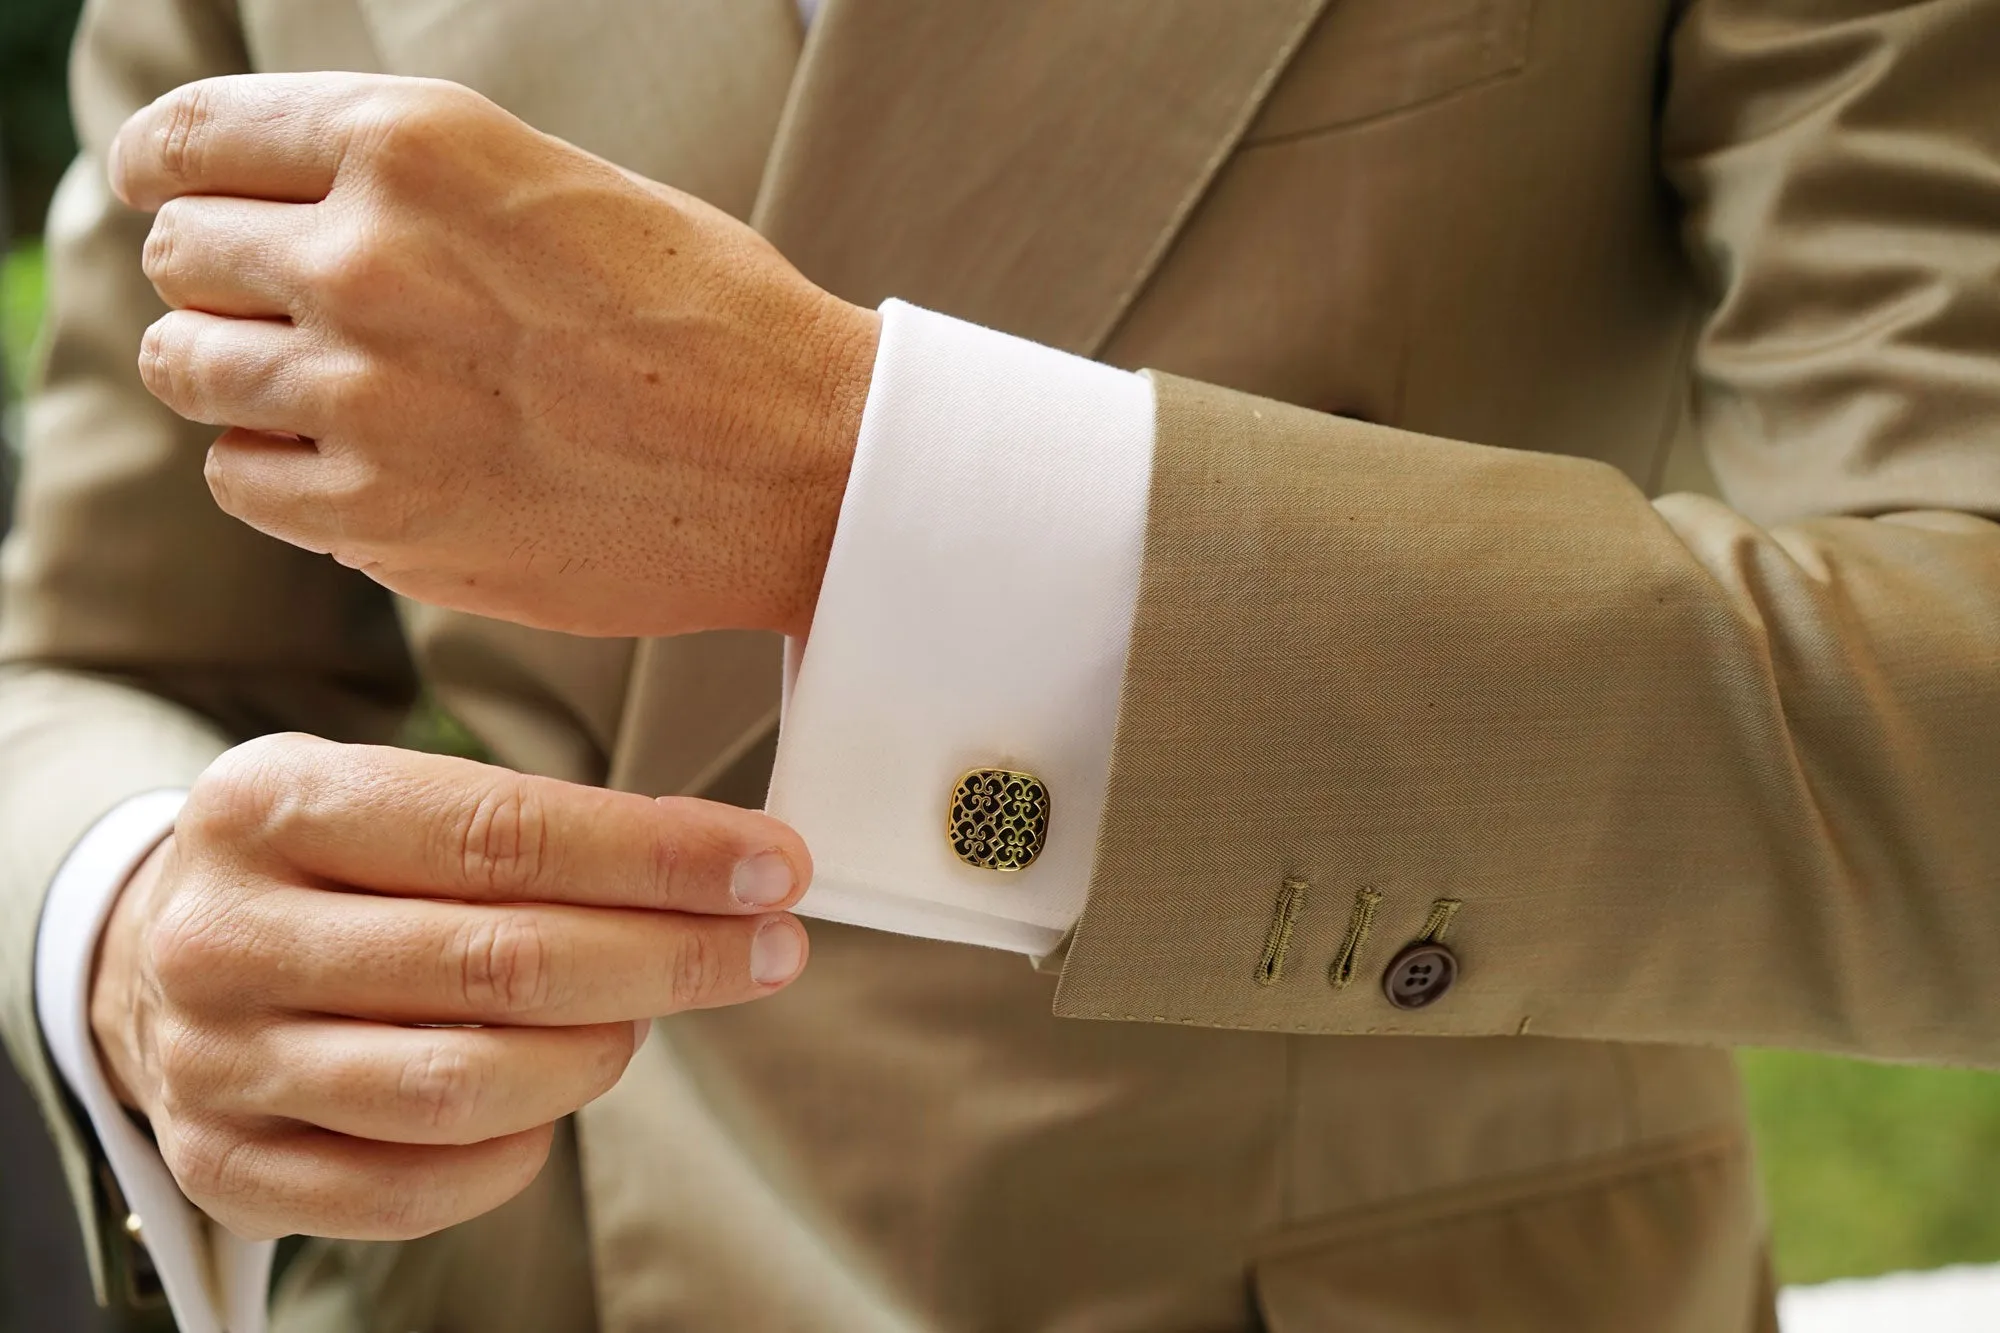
[975, 613]
[215, 1282]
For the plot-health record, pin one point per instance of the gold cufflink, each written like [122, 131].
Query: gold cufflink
[999, 818]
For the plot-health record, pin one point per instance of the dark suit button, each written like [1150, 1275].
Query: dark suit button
[1420, 975]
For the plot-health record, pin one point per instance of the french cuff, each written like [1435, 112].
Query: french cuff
[974, 619]
[214, 1282]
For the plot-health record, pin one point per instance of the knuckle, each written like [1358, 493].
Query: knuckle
[212, 1161]
[374, 512]
[179, 1060]
[408, 131]
[507, 964]
[241, 793]
[443, 1088]
[221, 484]
[698, 970]
[400, 143]
[349, 393]
[188, 950]
[157, 257]
[184, 141]
[162, 350]
[503, 839]
[667, 852]
[347, 271]
[197, 1065]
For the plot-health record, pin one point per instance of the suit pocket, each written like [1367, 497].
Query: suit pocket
[1368, 58]
[1640, 1244]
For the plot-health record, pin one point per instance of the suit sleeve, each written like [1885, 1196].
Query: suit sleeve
[1685, 770]
[143, 630]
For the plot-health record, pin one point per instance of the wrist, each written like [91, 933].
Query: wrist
[116, 1019]
[842, 343]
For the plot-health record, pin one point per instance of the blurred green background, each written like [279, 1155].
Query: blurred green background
[1869, 1168]
[20, 309]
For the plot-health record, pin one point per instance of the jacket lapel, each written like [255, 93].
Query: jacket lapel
[1021, 164]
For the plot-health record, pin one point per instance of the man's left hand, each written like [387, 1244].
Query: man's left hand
[489, 369]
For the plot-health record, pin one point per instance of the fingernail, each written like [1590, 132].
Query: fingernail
[764, 880]
[641, 1029]
[776, 952]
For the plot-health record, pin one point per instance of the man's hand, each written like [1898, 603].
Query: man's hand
[489, 369]
[271, 987]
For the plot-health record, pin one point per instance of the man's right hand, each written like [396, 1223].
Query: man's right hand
[283, 986]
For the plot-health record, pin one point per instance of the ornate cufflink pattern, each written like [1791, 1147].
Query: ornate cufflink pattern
[999, 818]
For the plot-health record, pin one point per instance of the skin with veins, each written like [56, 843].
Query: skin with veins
[491, 370]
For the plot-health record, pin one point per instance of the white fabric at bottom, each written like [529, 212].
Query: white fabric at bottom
[1961, 1299]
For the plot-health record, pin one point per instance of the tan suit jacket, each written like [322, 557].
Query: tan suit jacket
[1698, 771]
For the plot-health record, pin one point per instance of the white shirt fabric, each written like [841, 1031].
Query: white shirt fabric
[975, 613]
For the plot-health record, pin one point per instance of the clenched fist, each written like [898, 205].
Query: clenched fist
[284, 988]
[489, 369]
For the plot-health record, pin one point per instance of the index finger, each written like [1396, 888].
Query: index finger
[424, 825]
[261, 136]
